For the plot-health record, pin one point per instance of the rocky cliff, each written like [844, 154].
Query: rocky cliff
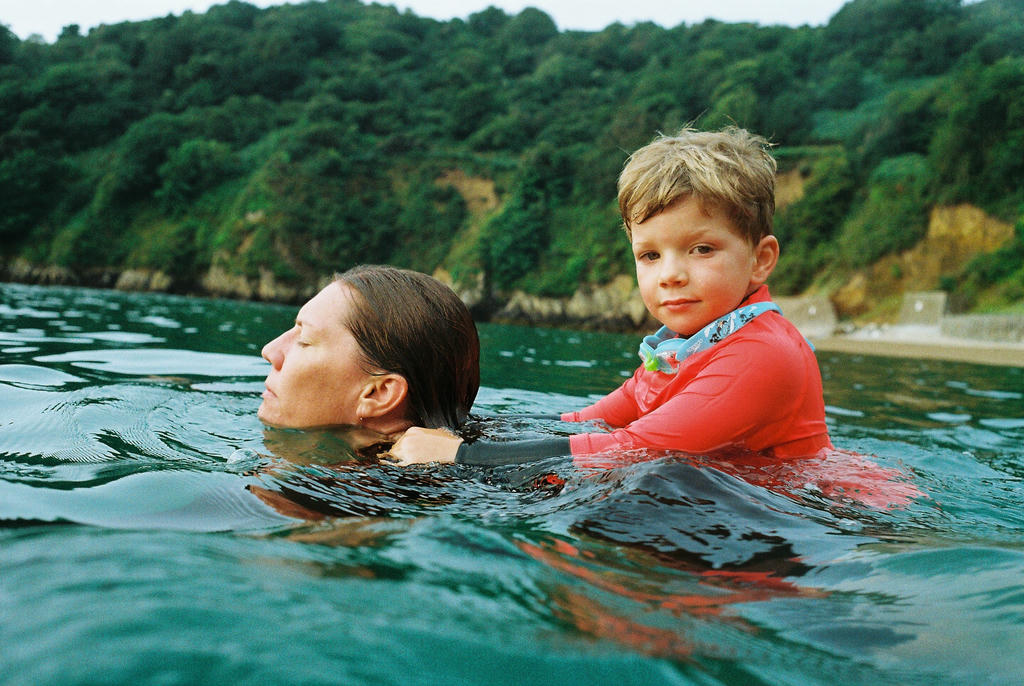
[955, 235]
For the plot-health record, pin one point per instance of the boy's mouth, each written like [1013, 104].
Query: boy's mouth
[677, 302]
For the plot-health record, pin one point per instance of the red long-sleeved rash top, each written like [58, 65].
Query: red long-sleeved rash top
[759, 389]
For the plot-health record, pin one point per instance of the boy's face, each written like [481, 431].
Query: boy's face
[692, 266]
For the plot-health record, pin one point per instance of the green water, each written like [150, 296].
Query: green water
[152, 531]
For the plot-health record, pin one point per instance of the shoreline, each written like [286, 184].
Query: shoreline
[925, 343]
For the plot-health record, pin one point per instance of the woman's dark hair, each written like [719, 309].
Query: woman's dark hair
[411, 324]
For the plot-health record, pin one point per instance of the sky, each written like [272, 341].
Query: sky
[47, 17]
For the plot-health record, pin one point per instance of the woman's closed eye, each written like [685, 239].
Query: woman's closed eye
[302, 338]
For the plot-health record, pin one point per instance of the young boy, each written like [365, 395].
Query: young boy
[726, 371]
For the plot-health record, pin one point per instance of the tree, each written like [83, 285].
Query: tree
[512, 242]
[192, 169]
[8, 45]
[893, 216]
[806, 228]
[978, 149]
[866, 29]
[31, 180]
[135, 172]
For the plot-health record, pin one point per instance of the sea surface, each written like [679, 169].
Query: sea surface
[152, 531]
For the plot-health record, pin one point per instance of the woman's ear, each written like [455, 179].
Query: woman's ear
[382, 395]
[766, 256]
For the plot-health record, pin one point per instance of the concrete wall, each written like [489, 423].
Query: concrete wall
[925, 308]
[814, 315]
[986, 327]
[929, 309]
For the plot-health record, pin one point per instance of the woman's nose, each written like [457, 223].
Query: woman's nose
[273, 352]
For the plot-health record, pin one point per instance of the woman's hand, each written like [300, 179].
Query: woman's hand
[421, 446]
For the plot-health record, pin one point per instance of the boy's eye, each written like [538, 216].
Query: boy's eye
[703, 250]
[648, 256]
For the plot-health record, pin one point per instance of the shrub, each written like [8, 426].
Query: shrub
[893, 215]
[191, 169]
[806, 228]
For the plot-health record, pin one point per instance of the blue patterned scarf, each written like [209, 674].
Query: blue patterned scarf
[664, 350]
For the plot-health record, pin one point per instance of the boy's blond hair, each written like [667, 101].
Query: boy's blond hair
[731, 170]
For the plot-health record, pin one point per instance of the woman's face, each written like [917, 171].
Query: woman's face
[315, 374]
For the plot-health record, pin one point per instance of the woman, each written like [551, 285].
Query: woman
[380, 348]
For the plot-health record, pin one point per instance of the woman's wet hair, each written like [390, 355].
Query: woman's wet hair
[411, 324]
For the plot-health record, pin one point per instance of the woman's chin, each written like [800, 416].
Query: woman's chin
[267, 416]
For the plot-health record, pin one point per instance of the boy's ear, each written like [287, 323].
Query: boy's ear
[766, 256]
[382, 395]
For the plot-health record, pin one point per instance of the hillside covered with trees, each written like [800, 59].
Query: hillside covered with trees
[253, 152]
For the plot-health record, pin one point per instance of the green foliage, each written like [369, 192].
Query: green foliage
[8, 45]
[430, 214]
[1001, 271]
[171, 247]
[869, 29]
[807, 227]
[91, 240]
[892, 217]
[977, 150]
[190, 170]
[31, 183]
[587, 245]
[512, 242]
[327, 203]
[302, 138]
[142, 151]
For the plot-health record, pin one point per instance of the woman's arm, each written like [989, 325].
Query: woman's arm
[499, 453]
[422, 446]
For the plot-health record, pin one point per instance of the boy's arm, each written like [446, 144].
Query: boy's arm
[744, 388]
[618, 408]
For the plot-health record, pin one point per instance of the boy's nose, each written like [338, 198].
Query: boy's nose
[673, 271]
